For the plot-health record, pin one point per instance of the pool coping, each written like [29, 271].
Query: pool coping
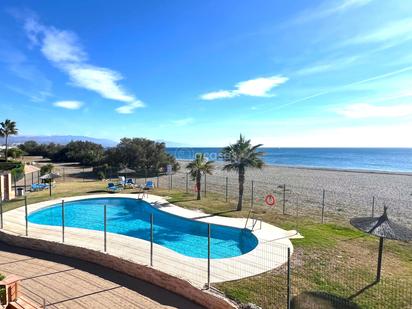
[271, 240]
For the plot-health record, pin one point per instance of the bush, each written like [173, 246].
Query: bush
[45, 169]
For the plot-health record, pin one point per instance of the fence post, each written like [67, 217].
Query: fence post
[288, 279]
[145, 175]
[227, 181]
[25, 215]
[171, 181]
[157, 179]
[32, 178]
[252, 196]
[187, 182]
[205, 185]
[25, 183]
[105, 227]
[323, 205]
[83, 174]
[373, 206]
[62, 220]
[151, 240]
[284, 198]
[64, 176]
[208, 255]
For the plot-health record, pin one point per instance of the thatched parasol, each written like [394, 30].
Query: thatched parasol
[126, 171]
[382, 227]
[50, 176]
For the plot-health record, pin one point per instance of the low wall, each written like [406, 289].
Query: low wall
[146, 273]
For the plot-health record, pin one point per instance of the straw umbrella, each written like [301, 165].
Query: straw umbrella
[50, 176]
[382, 227]
[126, 171]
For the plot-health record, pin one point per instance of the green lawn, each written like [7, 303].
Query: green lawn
[331, 258]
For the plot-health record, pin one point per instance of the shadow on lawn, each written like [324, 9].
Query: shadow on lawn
[321, 300]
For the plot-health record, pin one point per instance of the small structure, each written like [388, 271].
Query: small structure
[6, 192]
[13, 297]
[125, 171]
[382, 227]
[50, 176]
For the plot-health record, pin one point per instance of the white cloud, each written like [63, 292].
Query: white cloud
[258, 87]
[400, 30]
[63, 49]
[68, 104]
[130, 107]
[183, 122]
[365, 110]
[221, 94]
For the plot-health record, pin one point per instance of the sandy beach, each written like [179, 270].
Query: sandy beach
[349, 192]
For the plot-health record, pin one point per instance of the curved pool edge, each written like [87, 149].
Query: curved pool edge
[269, 238]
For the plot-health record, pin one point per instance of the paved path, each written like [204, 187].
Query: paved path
[71, 283]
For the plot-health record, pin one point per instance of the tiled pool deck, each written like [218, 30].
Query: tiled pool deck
[270, 253]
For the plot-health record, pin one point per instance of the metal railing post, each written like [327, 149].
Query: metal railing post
[227, 181]
[62, 220]
[284, 198]
[373, 206]
[25, 182]
[105, 227]
[187, 182]
[288, 279]
[323, 205]
[25, 215]
[208, 255]
[151, 240]
[157, 179]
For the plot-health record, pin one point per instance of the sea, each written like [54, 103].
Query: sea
[368, 159]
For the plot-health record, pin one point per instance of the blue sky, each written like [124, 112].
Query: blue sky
[284, 73]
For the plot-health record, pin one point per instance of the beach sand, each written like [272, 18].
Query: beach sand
[347, 193]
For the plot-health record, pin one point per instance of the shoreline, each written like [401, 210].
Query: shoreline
[329, 169]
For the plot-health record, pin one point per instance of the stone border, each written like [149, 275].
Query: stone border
[178, 286]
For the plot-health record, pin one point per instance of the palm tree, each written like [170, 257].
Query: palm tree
[198, 167]
[241, 156]
[7, 128]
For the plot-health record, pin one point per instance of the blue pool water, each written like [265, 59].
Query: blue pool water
[131, 217]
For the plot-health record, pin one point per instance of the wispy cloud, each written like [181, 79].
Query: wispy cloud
[327, 66]
[258, 87]
[68, 104]
[328, 8]
[345, 86]
[183, 122]
[63, 49]
[361, 111]
[399, 30]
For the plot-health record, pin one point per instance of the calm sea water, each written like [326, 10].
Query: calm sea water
[379, 159]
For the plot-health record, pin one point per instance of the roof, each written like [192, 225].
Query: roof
[382, 227]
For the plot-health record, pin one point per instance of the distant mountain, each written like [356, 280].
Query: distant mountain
[58, 139]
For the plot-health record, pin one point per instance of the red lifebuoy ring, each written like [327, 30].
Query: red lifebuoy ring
[270, 200]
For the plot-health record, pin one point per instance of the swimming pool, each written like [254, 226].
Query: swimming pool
[131, 217]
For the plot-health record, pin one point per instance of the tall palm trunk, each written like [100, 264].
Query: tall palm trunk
[198, 181]
[6, 149]
[241, 183]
